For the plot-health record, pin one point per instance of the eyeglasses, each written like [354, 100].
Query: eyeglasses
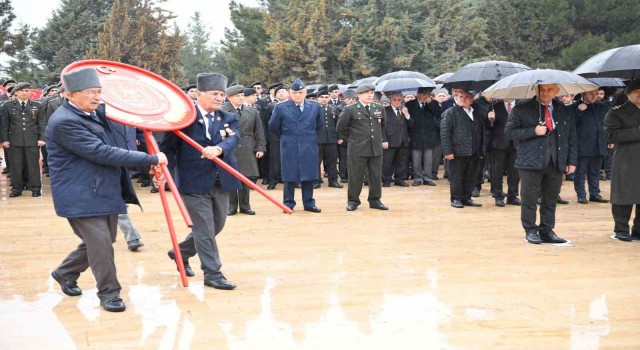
[92, 92]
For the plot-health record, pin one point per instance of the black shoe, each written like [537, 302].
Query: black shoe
[562, 201]
[219, 283]
[500, 202]
[635, 235]
[514, 201]
[401, 184]
[69, 288]
[598, 199]
[317, 185]
[133, 245]
[155, 190]
[113, 305]
[582, 200]
[623, 236]
[378, 205]
[532, 237]
[386, 184]
[475, 193]
[435, 177]
[416, 183]
[145, 184]
[471, 203]
[352, 207]
[15, 193]
[265, 181]
[36, 193]
[167, 188]
[429, 183]
[187, 268]
[232, 212]
[344, 181]
[457, 203]
[335, 184]
[539, 201]
[366, 182]
[608, 177]
[271, 187]
[548, 236]
[569, 177]
[248, 212]
[313, 209]
[297, 185]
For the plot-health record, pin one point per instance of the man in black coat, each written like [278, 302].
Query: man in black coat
[424, 133]
[546, 135]
[501, 154]
[327, 141]
[394, 158]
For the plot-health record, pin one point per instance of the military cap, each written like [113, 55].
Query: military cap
[297, 85]
[22, 85]
[255, 83]
[279, 87]
[323, 87]
[632, 85]
[10, 89]
[365, 88]
[46, 89]
[81, 79]
[211, 82]
[312, 95]
[8, 81]
[425, 90]
[189, 87]
[234, 90]
[333, 87]
[322, 92]
[349, 94]
[249, 91]
[274, 85]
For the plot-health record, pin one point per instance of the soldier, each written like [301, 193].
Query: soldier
[362, 124]
[191, 92]
[327, 138]
[334, 95]
[7, 84]
[350, 98]
[22, 130]
[275, 176]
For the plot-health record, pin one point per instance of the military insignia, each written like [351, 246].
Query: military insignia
[615, 108]
[230, 132]
[219, 119]
[223, 134]
[34, 113]
[200, 121]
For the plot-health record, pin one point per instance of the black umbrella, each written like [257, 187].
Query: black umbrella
[481, 75]
[404, 74]
[622, 62]
[608, 82]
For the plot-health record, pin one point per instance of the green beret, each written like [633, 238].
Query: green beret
[234, 90]
[20, 86]
[365, 88]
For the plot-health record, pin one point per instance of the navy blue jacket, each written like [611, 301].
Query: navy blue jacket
[590, 129]
[87, 166]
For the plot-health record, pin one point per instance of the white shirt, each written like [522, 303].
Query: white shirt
[469, 112]
[206, 120]
[507, 104]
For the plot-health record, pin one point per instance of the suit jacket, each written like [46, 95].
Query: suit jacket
[495, 129]
[22, 127]
[251, 139]
[395, 129]
[328, 134]
[363, 130]
[590, 129]
[424, 124]
[197, 175]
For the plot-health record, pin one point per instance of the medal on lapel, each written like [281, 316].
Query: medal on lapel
[228, 130]
[34, 113]
[223, 134]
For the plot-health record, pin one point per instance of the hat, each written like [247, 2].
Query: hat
[81, 79]
[323, 87]
[234, 90]
[440, 91]
[189, 87]
[274, 85]
[365, 88]
[424, 90]
[312, 95]
[22, 85]
[211, 81]
[46, 89]
[278, 88]
[385, 100]
[322, 92]
[249, 91]
[10, 89]
[9, 81]
[297, 85]
[632, 85]
[333, 87]
[255, 83]
[350, 94]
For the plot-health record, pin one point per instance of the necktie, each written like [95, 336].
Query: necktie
[24, 105]
[210, 125]
[421, 105]
[398, 114]
[509, 108]
[366, 108]
[300, 108]
[239, 113]
[547, 118]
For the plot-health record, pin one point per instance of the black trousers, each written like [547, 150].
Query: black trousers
[501, 161]
[342, 162]
[482, 163]
[274, 163]
[589, 167]
[328, 156]
[45, 155]
[25, 163]
[622, 215]
[394, 164]
[240, 199]
[462, 176]
[608, 161]
[263, 164]
[357, 167]
[548, 181]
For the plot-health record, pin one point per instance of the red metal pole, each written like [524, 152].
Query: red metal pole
[234, 172]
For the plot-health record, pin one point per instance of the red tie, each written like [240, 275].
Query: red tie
[547, 118]
[509, 108]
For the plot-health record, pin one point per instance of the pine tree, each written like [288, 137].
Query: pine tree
[197, 55]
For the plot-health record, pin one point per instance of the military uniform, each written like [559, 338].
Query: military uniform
[363, 126]
[23, 127]
[327, 146]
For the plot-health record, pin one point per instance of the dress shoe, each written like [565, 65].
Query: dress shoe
[386, 184]
[562, 201]
[167, 188]
[471, 203]
[548, 236]
[532, 237]
[475, 193]
[500, 202]
[219, 283]
[457, 203]
[297, 185]
[623, 236]
[271, 187]
[569, 177]
[435, 177]
[317, 185]
[335, 184]
[36, 193]
[265, 181]
[232, 212]
[429, 183]
[113, 305]
[582, 200]
[15, 193]
[598, 199]
[69, 288]
[248, 212]
[539, 201]
[366, 182]
[187, 268]
[608, 177]
[145, 184]
[154, 189]
[133, 245]
[344, 181]
[514, 201]
[313, 209]
[416, 183]
[351, 207]
[401, 184]
[378, 205]
[635, 235]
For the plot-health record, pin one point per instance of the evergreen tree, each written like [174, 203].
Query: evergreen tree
[197, 55]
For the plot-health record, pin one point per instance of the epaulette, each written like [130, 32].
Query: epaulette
[615, 108]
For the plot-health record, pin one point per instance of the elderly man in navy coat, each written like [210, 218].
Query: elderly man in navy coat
[297, 123]
[89, 185]
[203, 184]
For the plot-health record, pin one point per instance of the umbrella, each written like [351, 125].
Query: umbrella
[622, 62]
[312, 87]
[522, 85]
[481, 75]
[369, 80]
[404, 84]
[607, 82]
[442, 77]
[403, 74]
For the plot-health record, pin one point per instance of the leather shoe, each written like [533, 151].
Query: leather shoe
[265, 182]
[548, 236]
[532, 237]
[416, 183]
[500, 202]
[335, 184]
[598, 199]
[635, 235]
[154, 190]
[623, 236]
[232, 212]
[248, 212]
[429, 183]
[15, 193]
[539, 201]
[219, 283]
[187, 268]
[344, 181]
[514, 201]
[386, 184]
[113, 305]
[378, 205]
[562, 201]
[271, 187]
[351, 207]
[317, 185]
[133, 245]
[37, 193]
[582, 200]
[471, 203]
[313, 209]
[457, 203]
[475, 193]
[401, 184]
[69, 288]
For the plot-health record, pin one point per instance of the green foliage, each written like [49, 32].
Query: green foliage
[197, 55]
[583, 48]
